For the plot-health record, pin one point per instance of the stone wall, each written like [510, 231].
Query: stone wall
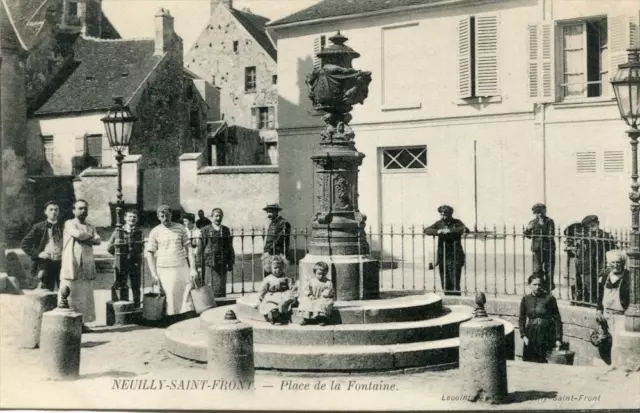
[241, 191]
[98, 187]
[213, 58]
[577, 323]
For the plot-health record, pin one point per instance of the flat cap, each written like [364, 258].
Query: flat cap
[538, 207]
[589, 219]
[272, 207]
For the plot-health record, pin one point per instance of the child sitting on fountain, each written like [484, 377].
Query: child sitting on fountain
[278, 293]
[317, 303]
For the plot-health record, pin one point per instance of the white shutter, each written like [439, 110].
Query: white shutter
[318, 45]
[541, 70]
[534, 62]
[622, 35]
[464, 58]
[486, 61]
[547, 63]
[79, 145]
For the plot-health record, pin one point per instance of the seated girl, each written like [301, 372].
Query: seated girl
[277, 294]
[317, 303]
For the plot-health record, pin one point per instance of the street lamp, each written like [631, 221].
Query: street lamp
[118, 124]
[626, 86]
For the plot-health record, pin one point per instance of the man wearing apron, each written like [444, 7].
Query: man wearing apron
[613, 296]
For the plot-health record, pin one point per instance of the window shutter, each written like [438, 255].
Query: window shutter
[534, 62]
[614, 161]
[623, 34]
[80, 145]
[486, 46]
[318, 45]
[464, 58]
[254, 118]
[272, 117]
[547, 65]
[585, 162]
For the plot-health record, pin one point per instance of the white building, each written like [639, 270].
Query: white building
[489, 106]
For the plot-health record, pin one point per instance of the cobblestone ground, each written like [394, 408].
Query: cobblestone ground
[111, 355]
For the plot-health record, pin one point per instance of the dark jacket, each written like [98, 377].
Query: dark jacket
[542, 236]
[624, 290]
[133, 247]
[449, 245]
[277, 242]
[591, 250]
[218, 246]
[37, 238]
[546, 306]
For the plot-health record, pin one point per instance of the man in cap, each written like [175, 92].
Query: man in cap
[591, 248]
[277, 242]
[450, 255]
[541, 230]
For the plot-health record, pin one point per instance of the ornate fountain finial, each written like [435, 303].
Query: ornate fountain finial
[335, 87]
[480, 312]
[230, 315]
[64, 294]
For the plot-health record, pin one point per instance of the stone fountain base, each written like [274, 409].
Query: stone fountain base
[393, 333]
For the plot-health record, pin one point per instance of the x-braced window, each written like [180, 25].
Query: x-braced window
[405, 158]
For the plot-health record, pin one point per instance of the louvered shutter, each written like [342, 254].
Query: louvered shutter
[318, 45]
[80, 145]
[486, 47]
[541, 70]
[272, 117]
[623, 34]
[254, 118]
[534, 62]
[464, 58]
[547, 64]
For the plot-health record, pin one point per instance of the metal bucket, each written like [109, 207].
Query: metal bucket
[561, 357]
[203, 298]
[153, 306]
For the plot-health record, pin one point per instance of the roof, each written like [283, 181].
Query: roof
[106, 68]
[26, 17]
[339, 8]
[255, 25]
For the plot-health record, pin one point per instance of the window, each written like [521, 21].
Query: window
[213, 80]
[398, 159]
[584, 51]
[194, 123]
[94, 147]
[72, 10]
[478, 74]
[585, 162]
[274, 79]
[318, 46]
[263, 117]
[235, 46]
[189, 91]
[47, 142]
[250, 79]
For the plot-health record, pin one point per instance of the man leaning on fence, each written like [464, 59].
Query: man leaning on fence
[541, 230]
[590, 249]
[450, 255]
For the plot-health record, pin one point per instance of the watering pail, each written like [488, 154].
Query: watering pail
[202, 298]
[153, 305]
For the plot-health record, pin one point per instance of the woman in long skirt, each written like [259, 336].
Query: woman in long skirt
[540, 323]
[167, 251]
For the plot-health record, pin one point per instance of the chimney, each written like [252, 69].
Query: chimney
[164, 31]
[227, 3]
[90, 15]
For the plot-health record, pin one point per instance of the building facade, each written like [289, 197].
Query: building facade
[234, 53]
[488, 106]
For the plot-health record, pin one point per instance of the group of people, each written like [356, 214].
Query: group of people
[62, 255]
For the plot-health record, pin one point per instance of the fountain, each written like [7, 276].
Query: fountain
[369, 330]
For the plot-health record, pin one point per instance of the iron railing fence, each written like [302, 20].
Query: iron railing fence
[497, 260]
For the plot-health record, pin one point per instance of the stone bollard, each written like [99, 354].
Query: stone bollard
[60, 340]
[230, 354]
[36, 303]
[483, 364]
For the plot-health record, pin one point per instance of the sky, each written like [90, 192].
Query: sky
[134, 18]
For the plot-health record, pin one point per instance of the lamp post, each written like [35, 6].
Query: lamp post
[626, 86]
[118, 124]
